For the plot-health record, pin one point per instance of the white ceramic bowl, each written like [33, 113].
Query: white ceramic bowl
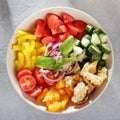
[27, 25]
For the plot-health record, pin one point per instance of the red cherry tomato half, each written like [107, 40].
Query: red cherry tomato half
[47, 40]
[27, 83]
[35, 92]
[38, 76]
[40, 28]
[23, 72]
[67, 18]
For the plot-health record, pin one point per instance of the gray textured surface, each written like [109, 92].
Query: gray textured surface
[12, 12]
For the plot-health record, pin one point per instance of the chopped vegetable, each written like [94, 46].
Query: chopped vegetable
[45, 62]
[67, 45]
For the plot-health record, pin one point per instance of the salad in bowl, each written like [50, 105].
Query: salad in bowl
[60, 60]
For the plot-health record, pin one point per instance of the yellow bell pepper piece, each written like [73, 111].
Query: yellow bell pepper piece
[16, 47]
[38, 45]
[21, 32]
[41, 50]
[20, 61]
[27, 58]
[30, 48]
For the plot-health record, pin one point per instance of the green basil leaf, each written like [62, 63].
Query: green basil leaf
[71, 59]
[67, 46]
[45, 62]
[61, 61]
[57, 67]
[59, 64]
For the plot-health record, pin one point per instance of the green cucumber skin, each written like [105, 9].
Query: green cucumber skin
[97, 31]
[92, 50]
[96, 57]
[103, 49]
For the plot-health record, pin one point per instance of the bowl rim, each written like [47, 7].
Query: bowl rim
[27, 101]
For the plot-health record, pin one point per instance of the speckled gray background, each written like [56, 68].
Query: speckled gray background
[12, 12]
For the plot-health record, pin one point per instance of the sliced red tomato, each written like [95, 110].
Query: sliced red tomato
[38, 76]
[67, 17]
[53, 22]
[48, 15]
[27, 83]
[63, 28]
[40, 28]
[80, 25]
[23, 72]
[48, 39]
[80, 35]
[47, 32]
[57, 37]
[55, 31]
[63, 36]
[35, 92]
[72, 30]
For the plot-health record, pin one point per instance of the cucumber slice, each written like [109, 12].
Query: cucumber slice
[94, 50]
[104, 38]
[96, 57]
[81, 64]
[87, 36]
[97, 31]
[87, 58]
[95, 39]
[77, 43]
[105, 48]
[101, 64]
[77, 50]
[105, 56]
[89, 28]
[85, 40]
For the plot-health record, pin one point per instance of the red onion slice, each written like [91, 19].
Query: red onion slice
[51, 81]
[44, 71]
[46, 50]
[56, 75]
[56, 45]
[73, 69]
[54, 53]
[58, 56]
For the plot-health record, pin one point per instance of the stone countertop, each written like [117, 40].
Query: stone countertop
[13, 12]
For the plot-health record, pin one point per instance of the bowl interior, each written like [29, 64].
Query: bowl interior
[27, 24]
